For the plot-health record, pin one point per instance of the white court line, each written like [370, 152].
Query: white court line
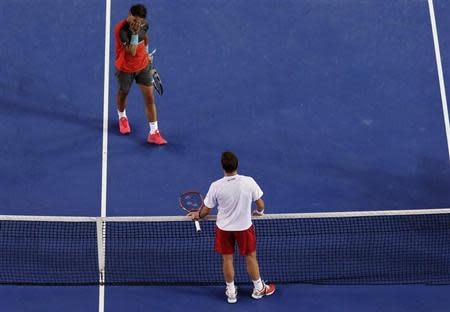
[105, 109]
[101, 294]
[106, 104]
[440, 72]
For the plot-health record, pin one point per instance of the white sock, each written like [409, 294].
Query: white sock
[230, 287]
[258, 284]
[153, 126]
[122, 114]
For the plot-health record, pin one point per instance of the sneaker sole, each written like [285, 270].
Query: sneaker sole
[152, 142]
[232, 301]
[269, 294]
[259, 297]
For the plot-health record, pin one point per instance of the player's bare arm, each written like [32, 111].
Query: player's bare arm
[201, 213]
[259, 211]
[131, 49]
[135, 26]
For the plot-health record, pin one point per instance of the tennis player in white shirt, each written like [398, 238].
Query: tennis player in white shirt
[233, 196]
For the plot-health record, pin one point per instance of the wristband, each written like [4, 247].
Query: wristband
[259, 212]
[146, 48]
[134, 39]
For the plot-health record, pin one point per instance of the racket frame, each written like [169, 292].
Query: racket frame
[197, 224]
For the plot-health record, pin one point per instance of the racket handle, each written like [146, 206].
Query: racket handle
[197, 225]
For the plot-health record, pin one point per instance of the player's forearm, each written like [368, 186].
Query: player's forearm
[260, 205]
[203, 212]
[131, 49]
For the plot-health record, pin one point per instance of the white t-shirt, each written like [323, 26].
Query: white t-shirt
[233, 196]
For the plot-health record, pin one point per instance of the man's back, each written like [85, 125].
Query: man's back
[233, 196]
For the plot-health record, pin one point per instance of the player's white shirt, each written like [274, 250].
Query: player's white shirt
[233, 196]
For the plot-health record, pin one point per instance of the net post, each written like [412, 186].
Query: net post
[101, 238]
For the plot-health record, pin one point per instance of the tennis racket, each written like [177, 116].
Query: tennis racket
[192, 202]
[157, 83]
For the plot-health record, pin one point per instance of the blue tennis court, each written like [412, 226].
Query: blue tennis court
[332, 106]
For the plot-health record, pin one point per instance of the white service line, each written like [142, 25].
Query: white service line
[101, 294]
[440, 72]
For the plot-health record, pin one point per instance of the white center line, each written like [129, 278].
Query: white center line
[101, 295]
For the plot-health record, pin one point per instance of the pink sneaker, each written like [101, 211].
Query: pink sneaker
[268, 289]
[156, 138]
[124, 126]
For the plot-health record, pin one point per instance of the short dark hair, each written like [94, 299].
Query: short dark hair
[138, 10]
[229, 162]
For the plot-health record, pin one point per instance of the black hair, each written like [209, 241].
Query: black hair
[138, 10]
[229, 162]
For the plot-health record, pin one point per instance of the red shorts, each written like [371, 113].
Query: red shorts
[225, 241]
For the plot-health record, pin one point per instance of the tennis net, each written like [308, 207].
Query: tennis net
[377, 247]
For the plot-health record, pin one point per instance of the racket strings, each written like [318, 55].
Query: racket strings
[192, 203]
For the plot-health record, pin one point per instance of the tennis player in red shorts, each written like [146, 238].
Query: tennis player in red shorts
[133, 64]
[233, 195]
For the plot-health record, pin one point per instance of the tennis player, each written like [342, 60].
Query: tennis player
[134, 63]
[233, 195]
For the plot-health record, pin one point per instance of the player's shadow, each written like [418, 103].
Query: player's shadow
[23, 109]
[29, 108]
[139, 135]
[113, 127]
[175, 143]
[217, 292]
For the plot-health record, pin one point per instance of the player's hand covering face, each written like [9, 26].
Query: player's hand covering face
[135, 23]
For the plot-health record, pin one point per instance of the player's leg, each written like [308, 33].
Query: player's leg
[228, 273]
[150, 105]
[247, 246]
[144, 80]
[228, 268]
[252, 266]
[124, 81]
[224, 244]
[121, 101]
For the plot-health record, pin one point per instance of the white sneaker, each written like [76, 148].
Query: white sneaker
[268, 289]
[231, 297]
